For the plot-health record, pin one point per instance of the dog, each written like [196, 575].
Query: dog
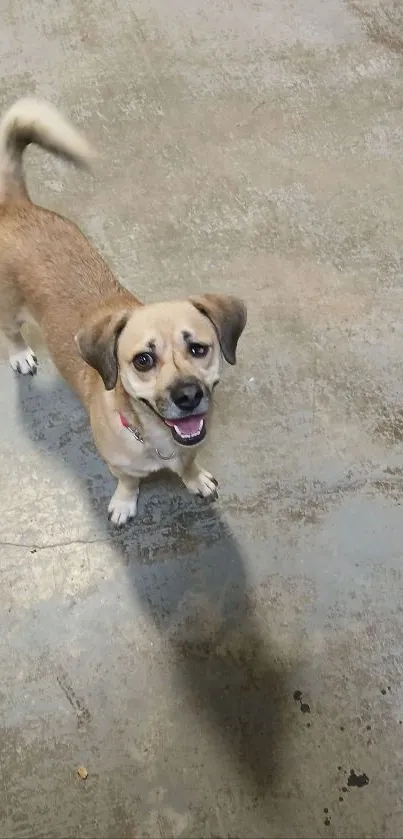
[145, 373]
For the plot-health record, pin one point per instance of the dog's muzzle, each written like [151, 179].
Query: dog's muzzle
[190, 400]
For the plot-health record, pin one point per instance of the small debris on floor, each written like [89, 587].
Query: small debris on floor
[82, 773]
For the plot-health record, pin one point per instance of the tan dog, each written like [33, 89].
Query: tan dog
[145, 373]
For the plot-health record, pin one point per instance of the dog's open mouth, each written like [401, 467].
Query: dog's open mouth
[188, 430]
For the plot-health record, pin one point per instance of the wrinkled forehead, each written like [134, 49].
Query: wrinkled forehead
[165, 324]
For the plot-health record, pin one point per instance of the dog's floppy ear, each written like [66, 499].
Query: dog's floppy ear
[97, 345]
[228, 316]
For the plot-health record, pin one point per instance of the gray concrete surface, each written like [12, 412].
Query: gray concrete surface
[257, 148]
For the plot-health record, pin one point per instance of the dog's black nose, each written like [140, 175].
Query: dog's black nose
[187, 395]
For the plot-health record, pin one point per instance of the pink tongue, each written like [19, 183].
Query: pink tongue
[188, 425]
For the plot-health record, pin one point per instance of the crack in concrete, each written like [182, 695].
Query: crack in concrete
[35, 548]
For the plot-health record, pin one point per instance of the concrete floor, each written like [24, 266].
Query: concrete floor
[253, 147]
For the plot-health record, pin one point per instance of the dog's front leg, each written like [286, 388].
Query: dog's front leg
[197, 480]
[123, 504]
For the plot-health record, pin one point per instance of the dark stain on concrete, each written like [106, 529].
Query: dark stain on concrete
[390, 425]
[83, 714]
[305, 515]
[304, 707]
[383, 22]
[355, 780]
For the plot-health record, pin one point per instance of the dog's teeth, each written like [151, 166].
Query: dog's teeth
[188, 436]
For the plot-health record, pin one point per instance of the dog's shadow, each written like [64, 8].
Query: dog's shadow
[188, 572]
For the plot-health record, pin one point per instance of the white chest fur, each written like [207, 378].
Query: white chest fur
[134, 457]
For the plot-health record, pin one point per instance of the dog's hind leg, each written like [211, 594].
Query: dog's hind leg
[21, 356]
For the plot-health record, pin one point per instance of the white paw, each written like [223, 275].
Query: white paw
[204, 485]
[24, 361]
[120, 511]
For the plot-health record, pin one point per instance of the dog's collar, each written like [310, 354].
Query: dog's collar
[130, 428]
[139, 438]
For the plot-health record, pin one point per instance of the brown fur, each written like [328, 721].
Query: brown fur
[50, 273]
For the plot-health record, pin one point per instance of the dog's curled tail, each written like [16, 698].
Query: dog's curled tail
[33, 121]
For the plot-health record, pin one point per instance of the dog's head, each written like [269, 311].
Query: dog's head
[167, 355]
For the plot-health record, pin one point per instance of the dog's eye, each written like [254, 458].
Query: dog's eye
[198, 350]
[143, 361]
